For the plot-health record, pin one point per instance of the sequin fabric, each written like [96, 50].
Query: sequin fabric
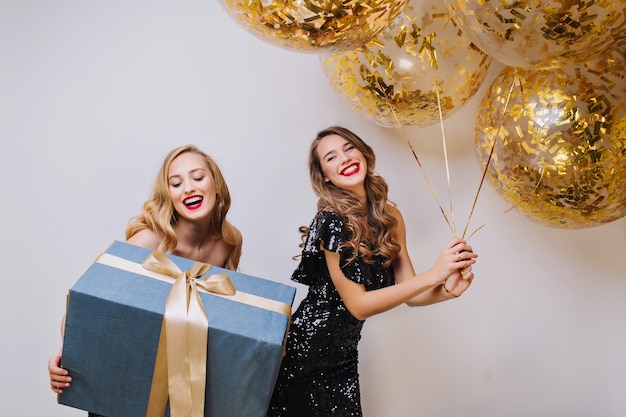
[319, 374]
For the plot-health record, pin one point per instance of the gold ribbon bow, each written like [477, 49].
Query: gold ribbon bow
[180, 367]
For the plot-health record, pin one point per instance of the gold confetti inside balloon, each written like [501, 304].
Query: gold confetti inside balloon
[394, 79]
[314, 25]
[560, 150]
[535, 34]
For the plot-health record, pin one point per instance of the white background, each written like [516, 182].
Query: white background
[93, 94]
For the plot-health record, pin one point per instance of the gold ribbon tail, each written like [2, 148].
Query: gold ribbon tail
[180, 366]
[186, 327]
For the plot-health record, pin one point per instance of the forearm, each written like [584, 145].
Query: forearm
[369, 303]
[433, 295]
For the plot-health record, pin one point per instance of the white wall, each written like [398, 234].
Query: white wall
[94, 93]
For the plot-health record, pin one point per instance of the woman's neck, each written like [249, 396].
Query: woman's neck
[193, 234]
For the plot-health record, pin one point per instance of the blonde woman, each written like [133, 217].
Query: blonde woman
[185, 216]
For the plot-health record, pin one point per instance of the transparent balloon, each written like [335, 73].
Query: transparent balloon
[314, 25]
[559, 152]
[419, 62]
[534, 34]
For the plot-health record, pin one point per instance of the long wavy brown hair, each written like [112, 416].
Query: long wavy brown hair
[372, 227]
[158, 212]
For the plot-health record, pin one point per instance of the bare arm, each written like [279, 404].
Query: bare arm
[362, 303]
[421, 289]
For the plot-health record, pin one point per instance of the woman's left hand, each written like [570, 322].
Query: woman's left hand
[59, 377]
[457, 283]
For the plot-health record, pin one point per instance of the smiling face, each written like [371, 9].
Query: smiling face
[343, 164]
[191, 186]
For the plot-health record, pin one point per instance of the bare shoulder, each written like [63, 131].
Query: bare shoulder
[145, 238]
[400, 233]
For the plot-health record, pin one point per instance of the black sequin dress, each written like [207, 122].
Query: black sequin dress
[319, 374]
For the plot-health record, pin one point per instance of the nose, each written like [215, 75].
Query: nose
[344, 158]
[188, 187]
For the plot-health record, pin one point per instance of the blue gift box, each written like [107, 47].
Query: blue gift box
[112, 328]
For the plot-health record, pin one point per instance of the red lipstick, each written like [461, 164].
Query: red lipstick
[193, 202]
[350, 170]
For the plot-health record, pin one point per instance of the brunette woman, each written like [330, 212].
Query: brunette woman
[356, 264]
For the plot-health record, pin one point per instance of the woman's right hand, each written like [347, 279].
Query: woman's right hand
[59, 377]
[454, 257]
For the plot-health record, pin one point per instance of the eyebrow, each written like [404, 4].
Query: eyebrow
[192, 171]
[328, 153]
[346, 143]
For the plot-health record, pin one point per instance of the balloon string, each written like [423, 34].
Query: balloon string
[445, 155]
[432, 190]
[451, 224]
[493, 145]
[489, 221]
[507, 210]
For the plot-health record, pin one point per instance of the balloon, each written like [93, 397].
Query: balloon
[314, 25]
[394, 79]
[534, 34]
[559, 153]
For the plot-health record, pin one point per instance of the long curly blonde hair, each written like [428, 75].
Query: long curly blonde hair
[372, 228]
[158, 212]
